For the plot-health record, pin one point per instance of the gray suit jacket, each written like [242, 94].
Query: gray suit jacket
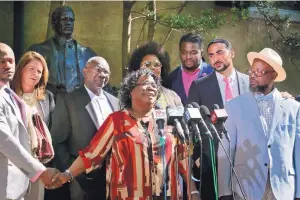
[254, 153]
[73, 128]
[16, 163]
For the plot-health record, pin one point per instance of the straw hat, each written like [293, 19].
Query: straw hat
[272, 58]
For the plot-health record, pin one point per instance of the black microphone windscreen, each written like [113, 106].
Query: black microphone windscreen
[195, 105]
[204, 111]
[188, 106]
[215, 107]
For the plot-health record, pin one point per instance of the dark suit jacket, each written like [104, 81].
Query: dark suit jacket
[48, 106]
[175, 83]
[206, 91]
[73, 129]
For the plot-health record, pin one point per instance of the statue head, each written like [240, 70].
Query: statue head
[62, 21]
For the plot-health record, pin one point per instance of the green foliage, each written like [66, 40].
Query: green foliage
[209, 20]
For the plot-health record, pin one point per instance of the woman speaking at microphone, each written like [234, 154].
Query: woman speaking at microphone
[132, 147]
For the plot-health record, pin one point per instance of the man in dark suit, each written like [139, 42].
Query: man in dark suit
[80, 117]
[192, 66]
[217, 88]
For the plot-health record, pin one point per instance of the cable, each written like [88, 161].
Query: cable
[213, 161]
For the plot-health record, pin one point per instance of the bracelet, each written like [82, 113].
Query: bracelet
[71, 175]
[195, 192]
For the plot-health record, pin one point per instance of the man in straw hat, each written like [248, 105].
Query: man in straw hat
[265, 136]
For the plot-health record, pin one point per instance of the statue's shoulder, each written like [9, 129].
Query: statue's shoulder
[44, 46]
[86, 50]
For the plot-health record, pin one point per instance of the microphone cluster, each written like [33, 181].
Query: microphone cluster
[192, 121]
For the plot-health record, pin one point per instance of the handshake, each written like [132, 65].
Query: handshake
[53, 178]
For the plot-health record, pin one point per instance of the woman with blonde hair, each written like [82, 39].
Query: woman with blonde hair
[29, 83]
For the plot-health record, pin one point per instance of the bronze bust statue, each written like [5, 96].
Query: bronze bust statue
[65, 57]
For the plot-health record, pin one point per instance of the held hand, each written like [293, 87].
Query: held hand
[47, 176]
[286, 95]
[62, 177]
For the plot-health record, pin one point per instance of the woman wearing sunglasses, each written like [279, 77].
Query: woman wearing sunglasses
[151, 55]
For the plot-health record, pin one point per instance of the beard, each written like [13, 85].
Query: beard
[223, 68]
[191, 69]
[259, 88]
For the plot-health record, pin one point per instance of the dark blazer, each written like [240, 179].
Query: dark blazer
[206, 91]
[48, 106]
[175, 83]
[73, 129]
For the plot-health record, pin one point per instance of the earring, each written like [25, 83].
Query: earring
[130, 96]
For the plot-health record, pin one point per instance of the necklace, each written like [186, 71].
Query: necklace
[29, 98]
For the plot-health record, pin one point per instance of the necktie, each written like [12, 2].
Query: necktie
[228, 89]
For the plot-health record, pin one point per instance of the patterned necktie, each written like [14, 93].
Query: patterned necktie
[228, 89]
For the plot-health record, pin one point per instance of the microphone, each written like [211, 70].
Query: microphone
[174, 116]
[191, 117]
[159, 116]
[185, 128]
[219, 116]
[206, 116]
[203, 127]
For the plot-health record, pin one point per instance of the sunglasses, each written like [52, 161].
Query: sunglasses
[149, 64]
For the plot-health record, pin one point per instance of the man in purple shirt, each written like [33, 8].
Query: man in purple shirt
[192, 66]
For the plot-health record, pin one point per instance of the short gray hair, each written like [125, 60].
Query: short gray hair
[129, 83]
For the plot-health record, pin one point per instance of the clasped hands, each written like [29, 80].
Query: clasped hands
[53, 178]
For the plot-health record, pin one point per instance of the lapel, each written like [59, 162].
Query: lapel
[113, 106]
[17, 111]
[278, 107]
[254, 112]
[242, 83]
[43, 105]
[215, 90]
[85, 100]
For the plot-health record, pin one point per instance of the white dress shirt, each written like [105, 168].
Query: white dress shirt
[233, 84]
[101, 104]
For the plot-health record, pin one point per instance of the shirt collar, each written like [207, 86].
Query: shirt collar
[221, 77]
[92, 94]
[61, 42]
[262, 97]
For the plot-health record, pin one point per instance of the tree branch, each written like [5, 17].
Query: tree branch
[171, 29]
[138, 18]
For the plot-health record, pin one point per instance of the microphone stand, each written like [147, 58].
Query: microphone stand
[232, 170]
[190, 152]
[163, 142]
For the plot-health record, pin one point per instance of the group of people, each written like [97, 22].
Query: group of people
[71, 136]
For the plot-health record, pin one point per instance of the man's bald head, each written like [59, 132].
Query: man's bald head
[7, 64]
[6, 50]
[98, 61]
[96, 74]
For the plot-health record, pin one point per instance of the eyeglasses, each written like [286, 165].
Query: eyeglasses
[256, 73]
[152, 84]
[99, 70]
[151, 65]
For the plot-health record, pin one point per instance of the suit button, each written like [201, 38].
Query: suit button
[266, 164]
[269, 146]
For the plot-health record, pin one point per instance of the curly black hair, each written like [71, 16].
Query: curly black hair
[129, 83]
[150, 48]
